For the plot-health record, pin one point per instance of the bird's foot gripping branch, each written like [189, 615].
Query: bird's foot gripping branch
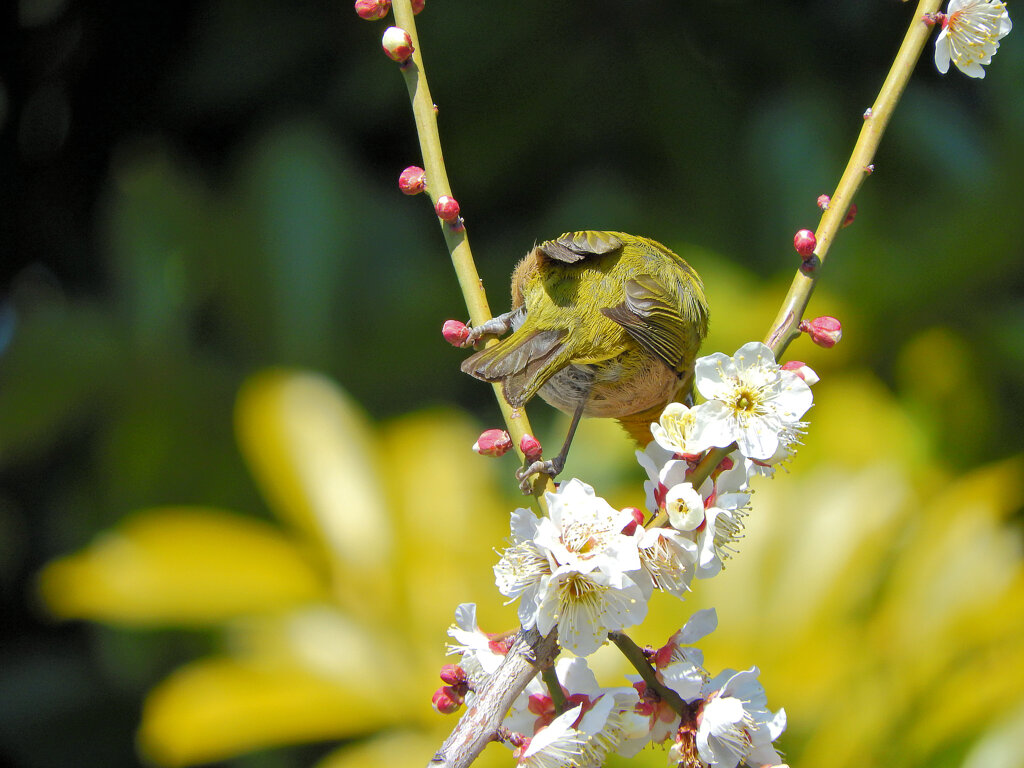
[609, 324]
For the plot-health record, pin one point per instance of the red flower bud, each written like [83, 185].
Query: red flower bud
[805, 242]
[447, 208]
[823, 201]
[493, 442]
[824, 331]
[417, 5]
[453, 674]
[446, 700]
[850, 215]
[454, 332]
[802, 370]
[372, 10]
[531, 448]
[412, 180]
[397, 44]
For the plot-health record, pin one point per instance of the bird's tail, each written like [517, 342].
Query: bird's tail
[522, 363]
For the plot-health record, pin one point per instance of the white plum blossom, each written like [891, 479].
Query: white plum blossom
[711, 518]
[971, 31]
[524, 568]
[663, 472]
[669, 558]
[736, 724]
[479, 656]
[751, 401]
[534, 708]
[678, 428]
[575, 569]
[608, 718]
[680, 666]
[557, 745]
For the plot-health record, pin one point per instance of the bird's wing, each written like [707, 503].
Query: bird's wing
[522, 362]
[576, 246]
[650, 314]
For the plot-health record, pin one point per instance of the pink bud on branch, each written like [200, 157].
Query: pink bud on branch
[805, 242]
[453, 674]
[373, 10]
[531, 448]
[412, 180]
[446, 700]
[824, 331]
[455, 332]
[397, 44]
[823, 202]
[417, 6]
[802, 370]
[447, 208]
[493, 442]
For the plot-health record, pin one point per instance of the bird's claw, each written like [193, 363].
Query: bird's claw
[474, 337]
[549, 467]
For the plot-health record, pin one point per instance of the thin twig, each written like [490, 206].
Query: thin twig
[455, 235]
[785, 328]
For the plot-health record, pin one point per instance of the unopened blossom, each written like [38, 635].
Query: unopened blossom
[751, 401]
[805, 242]
[971, 31]
[736, 724]
[574, 569]
[802, 370]
[397, 44]
[493, 442]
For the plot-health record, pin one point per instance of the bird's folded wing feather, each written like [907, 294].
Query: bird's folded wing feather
[650, 315]
[576, 246]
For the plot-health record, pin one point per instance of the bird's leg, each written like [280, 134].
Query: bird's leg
[551, 467]
[496, 326]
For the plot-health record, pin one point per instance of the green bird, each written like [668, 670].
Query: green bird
[605, 324]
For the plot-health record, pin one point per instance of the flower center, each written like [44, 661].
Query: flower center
[746, 401]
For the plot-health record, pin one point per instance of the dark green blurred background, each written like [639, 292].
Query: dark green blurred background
[193, 191]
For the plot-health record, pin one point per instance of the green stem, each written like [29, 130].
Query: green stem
[785, 327]
[456, 238]
[635, 656]
[554, 687]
